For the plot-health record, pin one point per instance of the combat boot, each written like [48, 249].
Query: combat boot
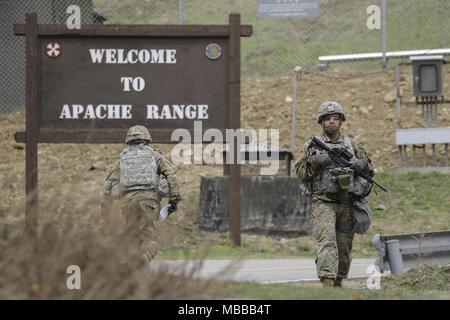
[338, 282]
[327, 282]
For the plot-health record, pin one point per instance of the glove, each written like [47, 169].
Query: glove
[322, 159]
[172, 208]
[359, 165]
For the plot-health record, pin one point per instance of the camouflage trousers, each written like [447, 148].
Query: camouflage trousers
[141, 227]
[333, 229]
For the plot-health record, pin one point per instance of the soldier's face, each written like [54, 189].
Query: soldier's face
[331, 123]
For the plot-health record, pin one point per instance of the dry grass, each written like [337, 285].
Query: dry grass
[426, 277]
[36, 268]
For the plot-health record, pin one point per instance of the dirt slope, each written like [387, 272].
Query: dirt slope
[71, 175]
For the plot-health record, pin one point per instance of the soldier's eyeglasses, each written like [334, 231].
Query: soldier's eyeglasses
[335, 118]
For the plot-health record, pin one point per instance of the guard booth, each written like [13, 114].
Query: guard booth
[427, 84]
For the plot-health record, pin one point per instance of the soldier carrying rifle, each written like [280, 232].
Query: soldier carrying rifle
[338, 173]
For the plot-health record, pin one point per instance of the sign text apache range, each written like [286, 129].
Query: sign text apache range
[124, 111]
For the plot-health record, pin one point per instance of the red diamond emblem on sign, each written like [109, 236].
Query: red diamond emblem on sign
[53, 50]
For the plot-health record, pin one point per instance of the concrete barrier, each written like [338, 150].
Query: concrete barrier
[269, 205]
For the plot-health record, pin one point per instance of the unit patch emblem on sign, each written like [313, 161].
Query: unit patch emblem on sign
[53, 50]
[213, 51]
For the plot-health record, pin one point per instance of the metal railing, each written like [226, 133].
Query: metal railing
[404, 251]
[357, 57]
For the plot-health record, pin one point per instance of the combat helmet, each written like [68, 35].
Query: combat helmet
[138, 132]
[330, 107]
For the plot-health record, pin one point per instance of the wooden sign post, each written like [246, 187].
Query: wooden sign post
[90, 85]
[235, 123]
[32, 121]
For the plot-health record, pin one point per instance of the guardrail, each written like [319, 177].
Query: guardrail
[379, 55]
[404, 251]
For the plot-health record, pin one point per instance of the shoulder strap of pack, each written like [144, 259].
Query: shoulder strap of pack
[124, 151]
[347, 141]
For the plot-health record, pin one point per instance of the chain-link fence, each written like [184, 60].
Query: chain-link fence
[417, 24]
[279, 44]
[12, 48]
[276, 46]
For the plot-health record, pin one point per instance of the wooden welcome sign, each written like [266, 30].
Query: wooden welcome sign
[92, 84]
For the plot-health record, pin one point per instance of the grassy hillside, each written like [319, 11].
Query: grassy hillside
[277, 45]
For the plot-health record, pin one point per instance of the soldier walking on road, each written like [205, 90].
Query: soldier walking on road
[338, 195]
[139, 177]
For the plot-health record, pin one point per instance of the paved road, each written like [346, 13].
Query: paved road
[259, 270]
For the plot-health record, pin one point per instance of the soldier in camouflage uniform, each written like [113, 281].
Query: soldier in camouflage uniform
[138, 178]
[333, 222]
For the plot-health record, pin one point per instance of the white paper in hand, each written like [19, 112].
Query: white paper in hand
[164, 213]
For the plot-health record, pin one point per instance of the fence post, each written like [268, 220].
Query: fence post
[180, 11]
[399, 102]
[235, 123]
[384, 31]
[294, 101]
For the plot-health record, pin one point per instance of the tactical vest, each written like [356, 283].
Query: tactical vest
[327, 181]
[138, 169]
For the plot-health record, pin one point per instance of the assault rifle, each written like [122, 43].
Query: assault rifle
[341, 157]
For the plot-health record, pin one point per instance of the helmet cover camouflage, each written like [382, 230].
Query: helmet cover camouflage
[330, 107]
[138, 132]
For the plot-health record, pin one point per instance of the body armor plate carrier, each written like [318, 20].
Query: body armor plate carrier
[327, 180]
[138, 169]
